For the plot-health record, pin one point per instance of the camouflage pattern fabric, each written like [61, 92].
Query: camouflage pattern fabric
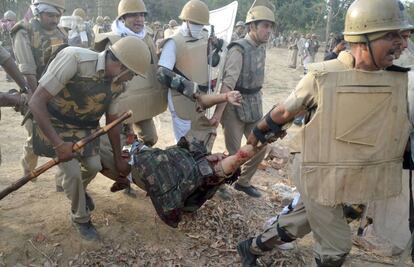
[75, 114]
[6, 40]
[176, 82]
[43, 42]
[172, 176]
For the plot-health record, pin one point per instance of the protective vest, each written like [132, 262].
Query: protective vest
[352, 147]
[250, 81]
[75, 112]
[177, 179]
[191, 62]
[252, 73]
[191, 58]
[43, 42]
[146, 97]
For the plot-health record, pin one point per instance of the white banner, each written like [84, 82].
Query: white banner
[223, 20]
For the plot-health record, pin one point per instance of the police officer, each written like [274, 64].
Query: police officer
[357, 127]
[107, 24]
[78, 87]
[80, 34]
[244, 71]
[99, 26]
[9, 20]
[33, 44]
[144, 96]
[239, 31]
[293, 47]
[185, 53]
[172, 26]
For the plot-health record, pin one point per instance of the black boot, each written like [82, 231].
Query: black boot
[248, 259]
[331, 263]
[87, 230]
[249, 190]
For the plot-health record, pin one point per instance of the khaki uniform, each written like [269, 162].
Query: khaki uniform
[81, 96]
[355, 159]
[293, 56]
[33, 46]
[97, 29]
[169, 32]
[233, 125]
[146, 97]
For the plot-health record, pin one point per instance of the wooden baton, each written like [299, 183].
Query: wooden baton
[76, 147]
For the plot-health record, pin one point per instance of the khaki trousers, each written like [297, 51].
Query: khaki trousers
[76, 175]
[331, 232]
[234, 129]
[146, 131]
[293, 58]
[29, 159]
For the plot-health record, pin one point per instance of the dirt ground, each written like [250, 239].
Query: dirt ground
[35, 227]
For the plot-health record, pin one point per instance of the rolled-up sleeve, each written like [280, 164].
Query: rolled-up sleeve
[60, 71]
[304, 97]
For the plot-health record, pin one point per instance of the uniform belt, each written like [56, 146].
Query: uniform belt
[247, 91]
[72, 120]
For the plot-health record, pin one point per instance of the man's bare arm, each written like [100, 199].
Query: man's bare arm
[114, 137]
[11, 68]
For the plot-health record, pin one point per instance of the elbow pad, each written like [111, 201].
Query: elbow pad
[176, 82]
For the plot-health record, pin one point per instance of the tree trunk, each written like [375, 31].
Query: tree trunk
[328, 20]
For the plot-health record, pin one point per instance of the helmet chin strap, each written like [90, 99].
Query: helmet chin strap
[117, 77]
[370, 51]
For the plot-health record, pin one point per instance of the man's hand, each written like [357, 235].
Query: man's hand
[122, 167]
[252, 140]
[64, 151]
[234, 98]
[215, 157]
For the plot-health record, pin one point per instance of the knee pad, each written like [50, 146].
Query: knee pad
[263, 247]
[284, 235]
